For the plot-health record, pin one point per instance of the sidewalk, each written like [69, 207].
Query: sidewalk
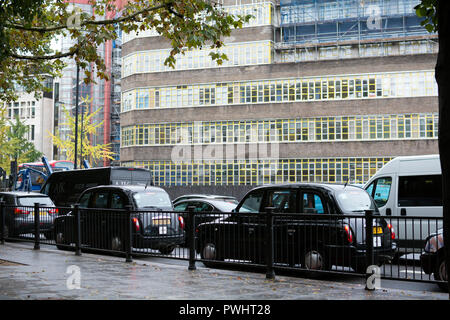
[27, 274]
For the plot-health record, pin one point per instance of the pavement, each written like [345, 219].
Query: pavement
[51, 274]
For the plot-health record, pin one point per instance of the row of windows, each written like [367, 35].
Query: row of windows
[366, 86]
[239, 54]
[348, 128]
[295, 12]
[23, 109]
[262, 13]
[238, 172]
[362, 50]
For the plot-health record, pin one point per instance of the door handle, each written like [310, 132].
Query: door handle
[388, 211]
[403, 212]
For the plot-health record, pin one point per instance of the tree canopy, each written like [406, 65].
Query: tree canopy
[28, 27]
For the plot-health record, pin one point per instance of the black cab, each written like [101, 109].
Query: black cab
[315, 226]
[103, 222]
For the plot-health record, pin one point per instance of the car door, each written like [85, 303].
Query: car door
[97, 224]
[284, 203]
[246, 228]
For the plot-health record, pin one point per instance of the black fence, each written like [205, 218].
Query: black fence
[362, 244]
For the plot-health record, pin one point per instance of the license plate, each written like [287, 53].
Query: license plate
[158, 222]
[163, 230]
[377, 230]
[377, 241]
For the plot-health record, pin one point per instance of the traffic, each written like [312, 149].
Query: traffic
[315, 227]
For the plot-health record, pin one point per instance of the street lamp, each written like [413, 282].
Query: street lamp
[76, 117]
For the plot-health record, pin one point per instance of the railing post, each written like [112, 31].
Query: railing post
[270, 273]
[77, 229]
[2, 222]
[37, 227]
[369, 247]
[128, 234]
[191, 237]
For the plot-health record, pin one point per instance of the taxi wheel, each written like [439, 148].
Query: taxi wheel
[314, 259]
[116, 243]
[209, 252]
[440, 274]
[167, 249]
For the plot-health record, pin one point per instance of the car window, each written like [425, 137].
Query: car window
[118, 200]
[84, 201]
[282, 200]
[100, 200]
[30, 201]
[202, 207]
[252, 202]
[181, 206]
[312, 203]
[379, 189]
[152, 198]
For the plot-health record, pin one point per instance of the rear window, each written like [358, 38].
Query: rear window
[30, 201]
[150, 199]
[354, 200]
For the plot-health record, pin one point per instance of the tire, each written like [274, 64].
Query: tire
[61, 242]
[5, 232]
[209, 252]
[440, 274]
[116, 243]
[167, 249]
[314, 260]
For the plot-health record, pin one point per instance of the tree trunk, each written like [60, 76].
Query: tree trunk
[443, 82]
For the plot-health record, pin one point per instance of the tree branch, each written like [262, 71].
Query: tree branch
[89, 22]
[51, 57]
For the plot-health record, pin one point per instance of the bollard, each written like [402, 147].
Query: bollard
[77, 229]
[37, 227]
[128, 234]
[270, 273]
[369, 246]
[2, 222]
[191, 237]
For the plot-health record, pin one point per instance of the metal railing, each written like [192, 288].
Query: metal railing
[317, 243]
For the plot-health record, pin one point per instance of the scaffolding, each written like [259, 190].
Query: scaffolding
[327, 21]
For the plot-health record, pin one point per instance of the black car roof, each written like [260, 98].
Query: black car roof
[132, 188]
[313, 185]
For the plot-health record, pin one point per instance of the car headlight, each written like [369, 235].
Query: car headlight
[434, 243]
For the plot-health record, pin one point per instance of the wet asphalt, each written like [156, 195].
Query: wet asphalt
[51, 274]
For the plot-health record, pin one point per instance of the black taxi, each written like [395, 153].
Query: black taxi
[315, 226]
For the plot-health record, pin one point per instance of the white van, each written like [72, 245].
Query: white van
[409, 187]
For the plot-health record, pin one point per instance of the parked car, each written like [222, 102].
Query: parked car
[206, 209]
[103, 223]
[409, 187]
[19, 213]
[312, 239]
[205, 196]
[432, 258]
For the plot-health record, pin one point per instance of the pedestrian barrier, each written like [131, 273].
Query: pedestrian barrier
[363, 244]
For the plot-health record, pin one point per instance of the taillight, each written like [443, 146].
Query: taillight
[349, 233]
[53, 211]
[391, 230]
[20, 211]
[181, 222]
[137, 227]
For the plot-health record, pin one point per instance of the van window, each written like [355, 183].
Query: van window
[379, 189]
[420, 191]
